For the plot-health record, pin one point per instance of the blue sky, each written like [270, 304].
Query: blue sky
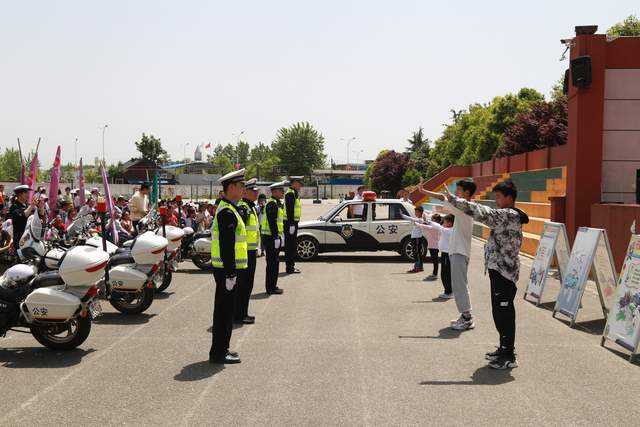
[199, 71]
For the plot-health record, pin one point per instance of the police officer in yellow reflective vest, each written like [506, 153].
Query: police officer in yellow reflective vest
[271, 229]
[292, 211]
[229, 257]
[249, 214]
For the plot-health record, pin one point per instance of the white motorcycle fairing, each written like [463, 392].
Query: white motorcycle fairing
[83, 266]
[46, 304]
[174, 236]
[127, 278]
[202, 245]
[148, 248]
[96, 242]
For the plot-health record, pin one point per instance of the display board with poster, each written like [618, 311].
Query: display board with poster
[553, 244]
[623, 321]
[590, 254]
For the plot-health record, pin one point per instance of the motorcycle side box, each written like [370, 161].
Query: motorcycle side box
[126, 278]
[53, 257]
[48, 304]
[96, 242]
[174, 236]
[83, 265]
[202, 245]
[149, 248]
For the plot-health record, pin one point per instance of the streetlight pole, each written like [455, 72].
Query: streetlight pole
[104, 128]
[237, 150]
[349, 141]
[184, 151]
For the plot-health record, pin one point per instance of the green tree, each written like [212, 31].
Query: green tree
[629, 27]
[115, 171]
[151, 149]
[417, 141]
[410, 177]
[300, 149]
[262, 161]
[10, 165]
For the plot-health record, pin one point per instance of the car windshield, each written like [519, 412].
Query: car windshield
[330, 212]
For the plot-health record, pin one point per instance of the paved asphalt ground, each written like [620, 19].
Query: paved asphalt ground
[353, 341]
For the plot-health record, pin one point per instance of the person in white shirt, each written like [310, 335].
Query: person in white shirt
[445, 230]
[459, 251]
[416, 239]
[358, 210]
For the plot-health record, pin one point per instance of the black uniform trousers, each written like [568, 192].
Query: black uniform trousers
[290, 245]
[245, 286]
[273, 263]
[445, 273]
[503, 292]
[222, 315]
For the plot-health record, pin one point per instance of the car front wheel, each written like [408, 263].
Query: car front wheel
[408, 251]
[307, 248]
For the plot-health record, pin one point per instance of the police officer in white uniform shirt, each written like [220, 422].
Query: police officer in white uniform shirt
[292, 213]
[228, 256]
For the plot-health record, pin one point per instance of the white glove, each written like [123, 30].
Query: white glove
[230, 282]
[292, 229]
[276, 243]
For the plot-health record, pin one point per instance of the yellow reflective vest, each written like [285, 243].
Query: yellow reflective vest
[264, 224]
[251, 226]
[241, 254]
[297, 207]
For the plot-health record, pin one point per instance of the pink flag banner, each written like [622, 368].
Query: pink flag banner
[81, 197]
[33, 176]
[53, 186]
[109, 201]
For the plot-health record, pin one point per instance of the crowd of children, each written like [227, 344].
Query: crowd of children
[453, 233]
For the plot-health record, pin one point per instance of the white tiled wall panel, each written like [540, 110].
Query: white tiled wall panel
[622, 114]
[622, 84]
[623, 145]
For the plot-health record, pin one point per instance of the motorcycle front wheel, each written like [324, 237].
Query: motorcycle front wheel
[132, 303]
[64, 336]
[203, 262]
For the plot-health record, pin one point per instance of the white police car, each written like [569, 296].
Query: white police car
[370, 224]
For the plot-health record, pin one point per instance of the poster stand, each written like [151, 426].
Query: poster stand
[553, 245]
[591, 254]
[623, 321]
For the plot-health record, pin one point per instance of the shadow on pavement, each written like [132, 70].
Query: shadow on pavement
[443, 334]
[39, 357]
[123, 319]
[198, 371]
[482, 376]
[197, 271]
[625, 356]
[593, 327]
[261, 295]
[163, 295]
[397, 259]
[436, 299]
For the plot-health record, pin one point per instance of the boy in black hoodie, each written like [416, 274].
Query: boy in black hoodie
[501, 259]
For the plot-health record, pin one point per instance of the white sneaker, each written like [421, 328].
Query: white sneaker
[445, 296]
[463, 324]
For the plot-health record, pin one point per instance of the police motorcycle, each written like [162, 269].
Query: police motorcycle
[155, 222]
[56, 307]
[129, 278]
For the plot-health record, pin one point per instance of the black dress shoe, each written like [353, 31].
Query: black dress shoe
[232, 353]
[226, 360]
[276, 291]
[249, 320]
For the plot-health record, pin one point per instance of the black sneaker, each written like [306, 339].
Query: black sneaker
[493, 355]
[504, 362]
